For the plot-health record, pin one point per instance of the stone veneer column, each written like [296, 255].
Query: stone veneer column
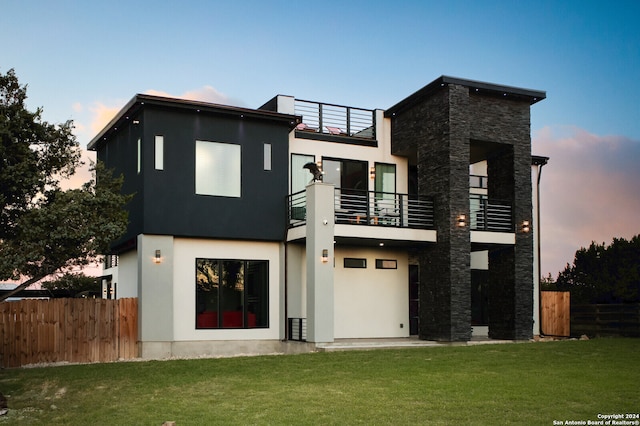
[511, 268]
[443, 172]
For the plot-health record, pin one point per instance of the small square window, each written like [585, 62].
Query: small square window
[386, 264]
[352, 262]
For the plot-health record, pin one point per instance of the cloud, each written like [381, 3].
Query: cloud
[92, 118]
[203, 94]
[589, 191]
[98, 114]
[101, 115]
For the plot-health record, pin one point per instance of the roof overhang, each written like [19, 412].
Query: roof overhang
[508, 92]
[130, 110]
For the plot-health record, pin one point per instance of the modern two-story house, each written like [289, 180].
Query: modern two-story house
[421, 222]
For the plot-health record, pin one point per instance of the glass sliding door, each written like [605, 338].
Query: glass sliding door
[300, 177]
[350, 179]
[387, 205]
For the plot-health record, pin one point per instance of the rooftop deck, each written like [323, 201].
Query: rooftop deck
[331, 122]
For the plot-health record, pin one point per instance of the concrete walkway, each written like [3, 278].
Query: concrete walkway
[400, 342]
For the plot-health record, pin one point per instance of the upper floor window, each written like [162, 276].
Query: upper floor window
[348, 175]
[300, 176]
[267, 156]
[139, 156]
[218, 169]
[385, 178]
[159, 148]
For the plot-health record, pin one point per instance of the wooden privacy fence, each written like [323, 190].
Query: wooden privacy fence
[555, 317]
[71, 330]
[606, 320]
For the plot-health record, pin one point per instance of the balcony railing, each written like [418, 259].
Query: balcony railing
[369, 208]
[336, 120]
[399, 210]
[478, 181]
[490, 215]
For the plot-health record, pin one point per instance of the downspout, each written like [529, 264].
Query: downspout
[540, 165]
[286, 274]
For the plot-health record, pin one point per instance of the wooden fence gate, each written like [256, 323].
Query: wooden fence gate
[71, 330]
[556, 313]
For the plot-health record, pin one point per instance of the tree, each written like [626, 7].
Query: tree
[547, 283]
[44, 229]
[604, 274]
[75, 282]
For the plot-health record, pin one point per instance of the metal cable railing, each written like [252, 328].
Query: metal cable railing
[335, 119]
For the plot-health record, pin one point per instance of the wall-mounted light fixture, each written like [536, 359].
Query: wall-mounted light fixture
[462, 220]
[325, 255]
[158, 257]
[372, 172]
[525, 226]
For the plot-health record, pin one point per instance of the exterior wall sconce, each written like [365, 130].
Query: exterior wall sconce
[462, 220]
[525, 226]
[325, 255]
[372, 172]
[158, 257]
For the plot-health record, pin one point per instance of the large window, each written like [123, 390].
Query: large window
[218, 169]
[232, 293]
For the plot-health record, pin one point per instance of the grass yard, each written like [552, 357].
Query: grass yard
[528, 384]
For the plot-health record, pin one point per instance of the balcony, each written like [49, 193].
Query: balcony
[369, 208]
[492, 216]
[335, 123]
[373, 218]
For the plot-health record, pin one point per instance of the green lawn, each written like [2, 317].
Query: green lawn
[527, 383]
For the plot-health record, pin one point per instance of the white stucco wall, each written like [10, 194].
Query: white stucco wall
[186, 250]
[371, 302]
[296, 281]
[127, 275]
[381, 154]
[368, 303]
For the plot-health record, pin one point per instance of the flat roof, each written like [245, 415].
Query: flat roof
[529, 95]
[140, 100]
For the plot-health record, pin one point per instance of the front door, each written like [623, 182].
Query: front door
[414, 299]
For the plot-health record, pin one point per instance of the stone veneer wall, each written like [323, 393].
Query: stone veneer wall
[509, 170]
[439, 130]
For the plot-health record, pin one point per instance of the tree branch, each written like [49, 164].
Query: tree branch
[21, 287]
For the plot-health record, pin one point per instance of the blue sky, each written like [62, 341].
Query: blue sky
[85, 60]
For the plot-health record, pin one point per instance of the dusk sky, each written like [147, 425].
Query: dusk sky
[85, 60]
